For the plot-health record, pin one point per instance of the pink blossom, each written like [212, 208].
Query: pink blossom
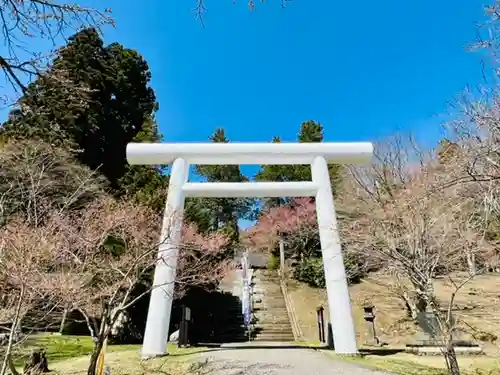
[290, 219]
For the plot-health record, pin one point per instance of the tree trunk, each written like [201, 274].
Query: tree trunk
[36, 364]
[63, 321]
[414, 305]
[13, 332]
[471, 262]
[94, 357]
[451, 360]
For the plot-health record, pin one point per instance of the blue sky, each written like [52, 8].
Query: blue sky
[364, 69]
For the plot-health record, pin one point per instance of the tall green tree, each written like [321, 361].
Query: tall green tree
[310, 131]
[278, 173]
[224, 212]
[107, 104]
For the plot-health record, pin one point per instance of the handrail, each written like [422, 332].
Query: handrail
[297, 331]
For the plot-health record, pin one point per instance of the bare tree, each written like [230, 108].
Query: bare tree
[26, 254]
[24, 23]
[36, 182]
[65, 245]
[200, 7]
[91, 261]
[110, 247]
[419, 225]
[37, 178]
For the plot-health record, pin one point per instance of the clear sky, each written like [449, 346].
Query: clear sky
[364, 69]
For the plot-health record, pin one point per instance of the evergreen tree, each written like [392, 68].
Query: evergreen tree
[310, 131]
[224, 212]
[108, 104]
[278, 173]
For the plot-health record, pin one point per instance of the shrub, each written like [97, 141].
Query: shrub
[273, 262]
[310, 271]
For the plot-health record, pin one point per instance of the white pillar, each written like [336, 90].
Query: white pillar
[339, 303]
[160, 305]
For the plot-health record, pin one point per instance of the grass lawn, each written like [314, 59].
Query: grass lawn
[409, 364]
[387, 363]
[178, 362]
[69, 354]
[59, 348]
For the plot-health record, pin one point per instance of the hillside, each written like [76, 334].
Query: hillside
[477, 309]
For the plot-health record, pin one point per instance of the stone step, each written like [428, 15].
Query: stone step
[274, 312]
[271, 313]
[284, 338]
[278, 325]
[274, 332]
[259, 330]
[270, 326]
[270, 306]
[272, 321]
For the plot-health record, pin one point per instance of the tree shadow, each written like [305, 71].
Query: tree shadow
[212, 347]
[216, 317]
[380, 351]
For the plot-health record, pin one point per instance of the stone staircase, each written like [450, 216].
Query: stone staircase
[271, 316]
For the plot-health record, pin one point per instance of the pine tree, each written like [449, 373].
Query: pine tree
[310, 131]
[225, 212]
[107, 105]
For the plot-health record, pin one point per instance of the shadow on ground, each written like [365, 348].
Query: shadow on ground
[380, 351]
[214, 347]
[216, 317]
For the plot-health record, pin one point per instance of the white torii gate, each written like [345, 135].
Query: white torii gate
[182, 155]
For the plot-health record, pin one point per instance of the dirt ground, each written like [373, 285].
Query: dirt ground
[478, 308]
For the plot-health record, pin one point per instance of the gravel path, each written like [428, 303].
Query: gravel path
[277, 361]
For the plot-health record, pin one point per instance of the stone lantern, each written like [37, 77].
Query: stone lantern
[369, 317]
